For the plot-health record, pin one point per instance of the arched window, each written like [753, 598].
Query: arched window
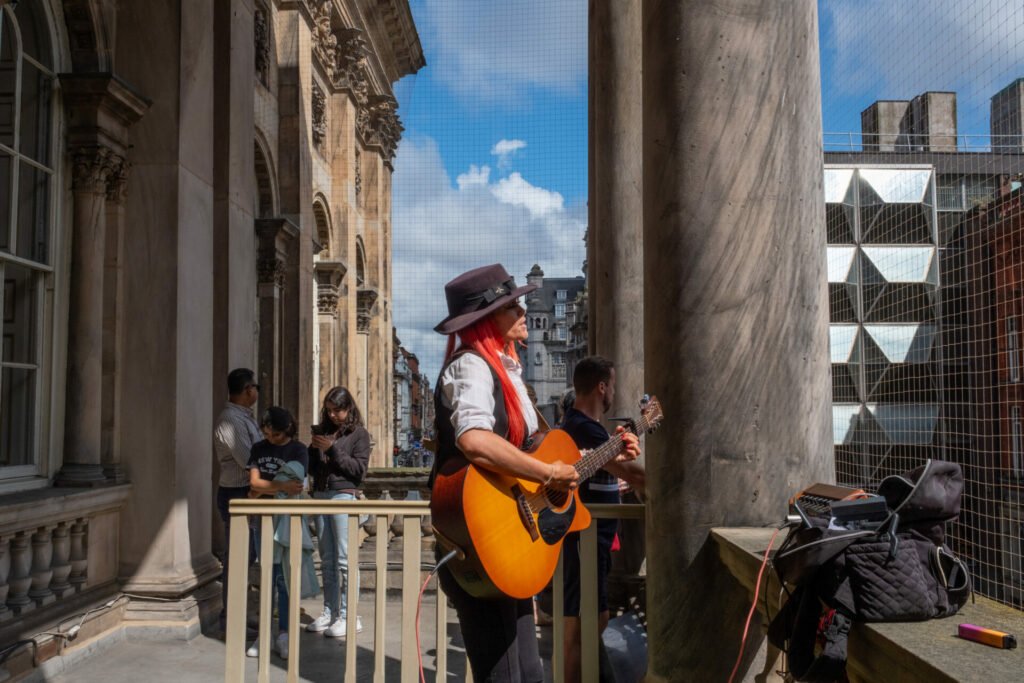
[27, 199]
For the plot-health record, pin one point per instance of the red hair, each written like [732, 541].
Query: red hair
[484, 338]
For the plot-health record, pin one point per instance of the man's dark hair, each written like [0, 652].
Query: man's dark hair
[590, 372]
[239, 379]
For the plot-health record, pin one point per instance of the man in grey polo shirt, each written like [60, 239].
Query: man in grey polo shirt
[233, 436]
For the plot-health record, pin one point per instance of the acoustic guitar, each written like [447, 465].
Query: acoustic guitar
[507, 532]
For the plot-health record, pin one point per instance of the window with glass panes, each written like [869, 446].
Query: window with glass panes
[26, 201]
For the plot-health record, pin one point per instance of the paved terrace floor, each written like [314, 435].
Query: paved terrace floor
[201, 660]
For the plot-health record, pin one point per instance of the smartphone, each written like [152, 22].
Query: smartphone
[317, 430]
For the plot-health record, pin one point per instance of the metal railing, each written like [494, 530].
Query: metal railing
[855, 142]
[411, 515]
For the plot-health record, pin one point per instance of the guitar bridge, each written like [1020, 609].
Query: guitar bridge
[525, 514]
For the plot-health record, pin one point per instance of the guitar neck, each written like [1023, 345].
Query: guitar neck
[597, 458]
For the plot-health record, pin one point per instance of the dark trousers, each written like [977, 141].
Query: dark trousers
[226, 494]
[500, 635]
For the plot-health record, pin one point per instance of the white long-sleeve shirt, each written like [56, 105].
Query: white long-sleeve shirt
[468, 389]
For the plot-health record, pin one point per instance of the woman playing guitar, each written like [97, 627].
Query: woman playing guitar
[483, 414]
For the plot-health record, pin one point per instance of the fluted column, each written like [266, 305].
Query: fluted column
[92, 165]
[100, 110]
[735, 305]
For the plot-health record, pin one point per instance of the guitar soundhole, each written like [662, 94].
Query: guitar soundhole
[556, 498]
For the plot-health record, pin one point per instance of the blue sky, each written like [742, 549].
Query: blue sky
[511, 76]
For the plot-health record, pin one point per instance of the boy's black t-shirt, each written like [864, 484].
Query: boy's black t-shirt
[269, 459]
[588, 433]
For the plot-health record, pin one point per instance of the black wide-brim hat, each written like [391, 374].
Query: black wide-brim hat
[476, 294]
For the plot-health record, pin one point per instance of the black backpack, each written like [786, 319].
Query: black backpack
[900, 571]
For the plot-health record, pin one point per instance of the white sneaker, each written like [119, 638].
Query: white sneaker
[282, 644]
[254, 649]
[321, 622]
[339, 629]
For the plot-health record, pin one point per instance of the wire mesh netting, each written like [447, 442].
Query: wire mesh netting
[924, 223]
[923, 115]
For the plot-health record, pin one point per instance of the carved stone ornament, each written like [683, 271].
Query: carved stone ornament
[93, 166]
[327, 299]
[324, 40]
[358, 171]
[350, 64]
[378, 124]
[319, 116]
[270, 270]
[261, 38]
[365, 298]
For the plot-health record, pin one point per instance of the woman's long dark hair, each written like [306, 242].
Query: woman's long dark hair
[341, 398]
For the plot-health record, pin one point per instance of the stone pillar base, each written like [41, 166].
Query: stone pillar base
[81, 475]
[115, 474]
[180, 619]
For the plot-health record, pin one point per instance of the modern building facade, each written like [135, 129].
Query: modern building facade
[186, 187]
[922, 259]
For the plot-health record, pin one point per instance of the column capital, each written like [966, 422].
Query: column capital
[95, 167]
[274, 235]
[328, 276]
[378, 125]
[365, 299]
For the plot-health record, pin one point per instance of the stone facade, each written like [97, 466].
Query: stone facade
[551, 311]
[220, 198]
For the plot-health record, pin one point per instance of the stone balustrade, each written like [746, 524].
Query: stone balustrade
[55, 544]
[398, 483]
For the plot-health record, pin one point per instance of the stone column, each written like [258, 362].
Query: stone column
[275, 236]
[100, 110]
[735, 305]
[365, 299]
[113, 327]
[169, 294]
[328, 275]
[615, 263]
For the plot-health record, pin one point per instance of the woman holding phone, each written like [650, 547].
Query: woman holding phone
[338, 457]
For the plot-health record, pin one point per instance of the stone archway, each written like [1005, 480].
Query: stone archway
[266, 185]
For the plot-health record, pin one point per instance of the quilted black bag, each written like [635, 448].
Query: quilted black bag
[900, 571]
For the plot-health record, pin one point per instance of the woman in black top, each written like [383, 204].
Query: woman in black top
[338, 456]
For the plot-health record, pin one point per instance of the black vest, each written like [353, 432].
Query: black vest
[446, 446]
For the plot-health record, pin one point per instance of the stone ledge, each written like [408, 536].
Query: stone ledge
[39, 507]
[908, 652]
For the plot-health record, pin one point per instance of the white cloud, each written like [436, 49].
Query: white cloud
[518, 192]
[505, 150]
[474, 176]
[896, 50]
[504, 147]
[493, 52]
[442, 229]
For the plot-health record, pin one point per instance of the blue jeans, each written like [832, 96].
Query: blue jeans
[333, 531]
